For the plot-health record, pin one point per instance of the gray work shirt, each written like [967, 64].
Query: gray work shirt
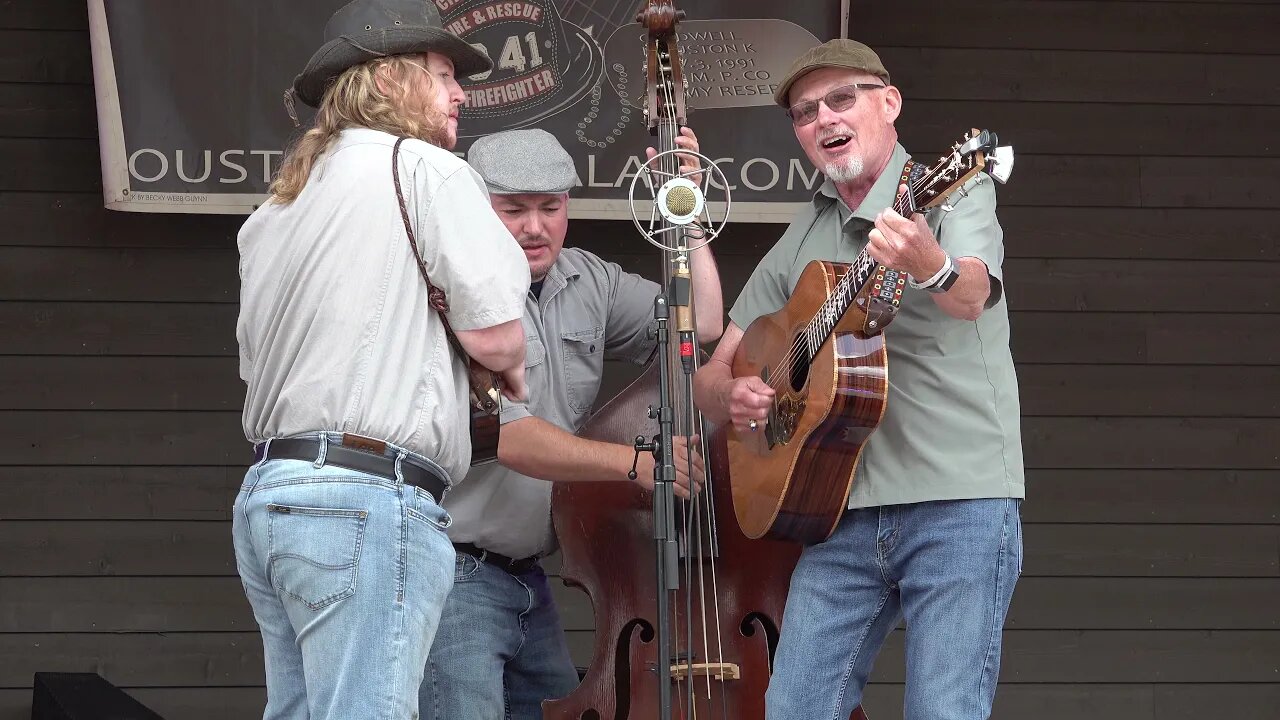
[589, 311]
[951, 427]
[335, 331]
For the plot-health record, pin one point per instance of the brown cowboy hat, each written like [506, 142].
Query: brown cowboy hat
[363, 30]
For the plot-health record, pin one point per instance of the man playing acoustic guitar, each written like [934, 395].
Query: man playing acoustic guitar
[932, 533]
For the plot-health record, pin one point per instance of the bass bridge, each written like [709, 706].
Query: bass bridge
[715, 671]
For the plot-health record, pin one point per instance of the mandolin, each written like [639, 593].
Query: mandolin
[824, 355]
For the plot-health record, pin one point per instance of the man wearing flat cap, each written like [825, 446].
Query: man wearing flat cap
[932, 533]
[355, 402]
[501, 649]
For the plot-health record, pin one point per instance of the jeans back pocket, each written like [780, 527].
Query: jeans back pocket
[314, 552]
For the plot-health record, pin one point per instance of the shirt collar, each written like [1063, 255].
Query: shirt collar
[561, 272]
[882, 194]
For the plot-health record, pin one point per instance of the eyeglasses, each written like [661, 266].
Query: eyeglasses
[839, 100]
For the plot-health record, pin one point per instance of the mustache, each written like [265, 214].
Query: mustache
[825, 135]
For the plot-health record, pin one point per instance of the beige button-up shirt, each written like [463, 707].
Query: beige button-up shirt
[335, 331]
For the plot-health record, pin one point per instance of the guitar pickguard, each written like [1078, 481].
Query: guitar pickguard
[784, 415]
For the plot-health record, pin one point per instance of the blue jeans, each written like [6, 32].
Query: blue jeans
[347, 573]
[501, 649]
[947, 568]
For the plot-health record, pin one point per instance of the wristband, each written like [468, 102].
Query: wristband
[937, 277]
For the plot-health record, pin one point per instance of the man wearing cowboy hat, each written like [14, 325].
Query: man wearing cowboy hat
[355, 403]
[501, 649]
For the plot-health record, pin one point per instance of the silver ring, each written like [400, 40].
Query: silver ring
[752, 423]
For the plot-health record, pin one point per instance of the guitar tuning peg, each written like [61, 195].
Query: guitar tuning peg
[1000, 163]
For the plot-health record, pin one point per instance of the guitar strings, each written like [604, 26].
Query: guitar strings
[786, 365]
[670, 166]
[826, 312]
[696, 509]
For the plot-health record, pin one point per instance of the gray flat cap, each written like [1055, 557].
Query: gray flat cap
[523, 161]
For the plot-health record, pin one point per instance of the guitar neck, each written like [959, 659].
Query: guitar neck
[850, 286]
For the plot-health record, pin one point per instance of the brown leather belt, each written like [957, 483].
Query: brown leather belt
[511, 565]
[359, 453]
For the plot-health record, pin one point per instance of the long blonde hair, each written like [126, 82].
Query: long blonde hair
[355, 100]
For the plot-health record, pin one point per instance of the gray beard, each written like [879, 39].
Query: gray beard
[845, 171]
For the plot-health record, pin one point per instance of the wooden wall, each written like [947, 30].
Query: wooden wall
[1142, 273]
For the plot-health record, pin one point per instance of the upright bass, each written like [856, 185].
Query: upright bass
[727, 612]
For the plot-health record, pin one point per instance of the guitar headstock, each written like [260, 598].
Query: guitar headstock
[979, 151]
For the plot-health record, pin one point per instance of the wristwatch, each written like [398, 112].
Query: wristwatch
[942, 280]
[949, 278]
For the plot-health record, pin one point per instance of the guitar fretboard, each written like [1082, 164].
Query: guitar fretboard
[860, 272]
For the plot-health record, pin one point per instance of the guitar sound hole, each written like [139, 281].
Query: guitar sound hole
[799, 370]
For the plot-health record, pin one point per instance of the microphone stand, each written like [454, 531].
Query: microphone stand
[676, 294]
[664, 521]
[662, 447]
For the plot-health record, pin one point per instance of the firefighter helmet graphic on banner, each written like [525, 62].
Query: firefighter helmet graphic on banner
[541, 64]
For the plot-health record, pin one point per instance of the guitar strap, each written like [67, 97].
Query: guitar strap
[888, 283]
[480, 396]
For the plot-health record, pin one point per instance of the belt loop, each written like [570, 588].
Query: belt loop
[324, 451]
[400, 454]
[266, 450]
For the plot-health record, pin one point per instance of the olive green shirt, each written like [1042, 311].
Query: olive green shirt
[951, 426]
[589, 311]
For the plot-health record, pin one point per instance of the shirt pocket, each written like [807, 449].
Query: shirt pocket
[534, 353]
[583, 364]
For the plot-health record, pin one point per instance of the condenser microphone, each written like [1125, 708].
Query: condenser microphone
[680, 201]
[679, 217]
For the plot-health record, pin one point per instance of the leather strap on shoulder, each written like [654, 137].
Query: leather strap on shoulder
[482, 397]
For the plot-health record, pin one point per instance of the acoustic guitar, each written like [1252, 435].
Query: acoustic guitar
[824, 355]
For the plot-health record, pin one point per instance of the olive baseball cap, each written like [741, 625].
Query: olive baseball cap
[838, 53]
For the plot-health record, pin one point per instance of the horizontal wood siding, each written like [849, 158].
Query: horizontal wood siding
[1142, 267]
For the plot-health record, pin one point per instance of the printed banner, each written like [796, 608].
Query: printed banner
[191, 114]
